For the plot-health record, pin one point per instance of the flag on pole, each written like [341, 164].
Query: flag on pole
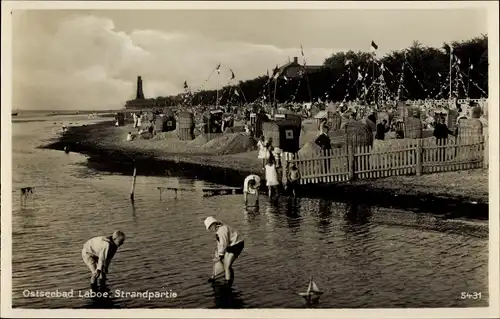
[218, 68]
[374, 47]
[232, 75]
[185, 85]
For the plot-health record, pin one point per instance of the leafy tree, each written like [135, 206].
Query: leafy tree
[425, 75]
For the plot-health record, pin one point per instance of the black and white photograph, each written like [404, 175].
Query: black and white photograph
[281, 156]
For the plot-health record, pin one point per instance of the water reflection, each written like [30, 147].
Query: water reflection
[292, 212]
[227, 298]
[134, 215]
[270, 218]
[357, 215]
[27, 217]
[357, 241]
[251, 215]
[324, 216]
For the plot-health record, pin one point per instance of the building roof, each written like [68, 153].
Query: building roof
[295, 63]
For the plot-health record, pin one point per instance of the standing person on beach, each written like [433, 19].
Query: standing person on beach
[134, 115]
[251, 187]
[271, 176]
[97, 253]
[129, 137]
[381, 130]
[151, 129]
[139, 120]
[229, 246]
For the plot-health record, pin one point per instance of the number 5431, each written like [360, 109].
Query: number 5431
[470, 295]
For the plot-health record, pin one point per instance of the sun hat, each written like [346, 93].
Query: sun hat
[209, 221]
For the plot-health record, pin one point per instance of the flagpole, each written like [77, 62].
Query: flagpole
[217, 96]
[268, 84]
[468, 80]
[275, 88]
[242, 93]
[269, 88]
[305, 71]
[451, 59]
[373, 80]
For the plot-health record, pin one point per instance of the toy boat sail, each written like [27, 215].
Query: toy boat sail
[313, 293]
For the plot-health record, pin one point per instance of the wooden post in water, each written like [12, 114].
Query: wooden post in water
[419, 154]
[132, 190]
[350, 159]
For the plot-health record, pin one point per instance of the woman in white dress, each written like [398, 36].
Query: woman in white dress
[261, 145]
[271, 176]
[139, 120]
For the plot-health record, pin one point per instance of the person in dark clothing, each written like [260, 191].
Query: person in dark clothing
[441, 130]
[382, 128]
[323, 141]
[372, 118]
[441, 133]
[151, 129]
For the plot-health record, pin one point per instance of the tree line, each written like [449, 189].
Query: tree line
[418, 72]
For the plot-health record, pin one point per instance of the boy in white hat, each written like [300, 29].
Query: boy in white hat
[97, 253]
[229, 246]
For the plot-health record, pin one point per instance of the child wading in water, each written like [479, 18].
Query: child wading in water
[251, 187]
[293, 179]
[229, 246]
[97, 253]
[271, 176]
[261, 145]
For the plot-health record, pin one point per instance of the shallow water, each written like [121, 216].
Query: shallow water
[359, 256]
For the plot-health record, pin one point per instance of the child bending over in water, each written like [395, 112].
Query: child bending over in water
[97, 253]
[251, 187]
[229, 246]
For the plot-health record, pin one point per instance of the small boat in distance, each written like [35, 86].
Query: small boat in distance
[14, 113]
[312, 294]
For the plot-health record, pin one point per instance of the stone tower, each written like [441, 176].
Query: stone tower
[140, 93]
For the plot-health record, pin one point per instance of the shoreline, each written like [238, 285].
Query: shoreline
[440, 193]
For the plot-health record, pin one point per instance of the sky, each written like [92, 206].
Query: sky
[79, 60]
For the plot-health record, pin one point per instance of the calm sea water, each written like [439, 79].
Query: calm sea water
[360, 256]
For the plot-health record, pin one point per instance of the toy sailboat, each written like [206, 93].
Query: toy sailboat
[313, 293]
